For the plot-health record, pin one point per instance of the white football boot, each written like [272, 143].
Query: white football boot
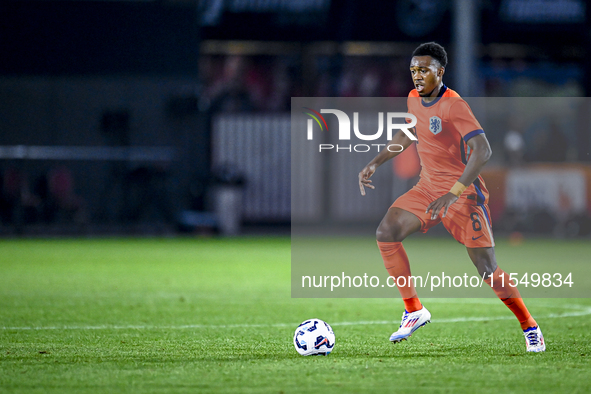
[410, 323]
[534, 339]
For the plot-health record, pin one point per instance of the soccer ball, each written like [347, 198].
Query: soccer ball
[314, 337]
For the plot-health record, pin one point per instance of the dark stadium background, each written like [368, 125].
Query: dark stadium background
[172, 116]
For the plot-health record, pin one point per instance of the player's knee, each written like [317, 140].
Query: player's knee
[389, 232]
[484, 263]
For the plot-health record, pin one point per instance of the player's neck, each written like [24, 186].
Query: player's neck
[434, 93]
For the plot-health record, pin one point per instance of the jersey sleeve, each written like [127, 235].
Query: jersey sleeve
[464, 121]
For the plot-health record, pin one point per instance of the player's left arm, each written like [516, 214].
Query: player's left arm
[481, 152]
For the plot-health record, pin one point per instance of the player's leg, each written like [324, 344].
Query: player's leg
[485, 261]
[400, 221]
[470, 225]
[396, 225]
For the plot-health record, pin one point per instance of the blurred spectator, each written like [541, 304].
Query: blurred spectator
[250, 83]
[346, 85]
[60, 203]
[18, 205]
[370, 84]
[281, 89]
[531, 78]
[514, 143]
[514, 147]
[234, 92]
[399, 83]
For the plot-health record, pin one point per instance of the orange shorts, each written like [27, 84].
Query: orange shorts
[466, 221]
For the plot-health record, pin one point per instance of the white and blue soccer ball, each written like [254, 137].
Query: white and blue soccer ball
[314, 337]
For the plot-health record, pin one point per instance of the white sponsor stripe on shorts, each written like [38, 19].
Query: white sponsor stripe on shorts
[484, 216]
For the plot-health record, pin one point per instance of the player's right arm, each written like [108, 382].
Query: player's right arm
[399, 139]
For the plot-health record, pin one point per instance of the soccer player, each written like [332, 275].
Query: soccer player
[453, 149]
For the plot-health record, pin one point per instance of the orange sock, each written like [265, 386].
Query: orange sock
[396, 262]
[511, 297]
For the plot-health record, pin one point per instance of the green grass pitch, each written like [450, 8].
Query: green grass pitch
[215, 315]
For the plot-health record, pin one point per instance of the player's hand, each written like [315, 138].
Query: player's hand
[442, 202]
[364, 176]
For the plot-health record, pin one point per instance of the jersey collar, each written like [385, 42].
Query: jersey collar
[443, 89]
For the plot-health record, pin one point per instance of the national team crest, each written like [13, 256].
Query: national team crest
[435, 125]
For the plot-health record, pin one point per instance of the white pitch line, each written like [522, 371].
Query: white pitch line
[583, 312]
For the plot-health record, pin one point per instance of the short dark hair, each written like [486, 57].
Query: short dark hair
[434, 50]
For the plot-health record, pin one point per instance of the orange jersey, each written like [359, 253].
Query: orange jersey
[443, 128]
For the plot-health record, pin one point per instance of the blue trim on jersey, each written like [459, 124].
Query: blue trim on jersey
[463, 152]
[480, 200]
[473, 134]
[479, 195]
[443, 89]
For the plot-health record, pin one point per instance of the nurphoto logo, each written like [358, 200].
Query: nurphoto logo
[344, 131]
